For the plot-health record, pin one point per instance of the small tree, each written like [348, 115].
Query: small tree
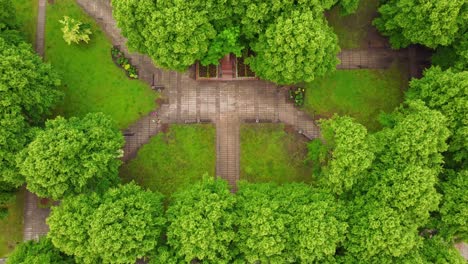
[75, 31]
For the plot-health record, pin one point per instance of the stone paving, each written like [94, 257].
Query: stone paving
[34, 217]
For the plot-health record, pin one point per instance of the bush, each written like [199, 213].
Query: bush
[119, 58]
[297, 95]
[75, 31]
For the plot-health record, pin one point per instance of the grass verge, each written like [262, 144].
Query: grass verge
[352, 29]
[270, 154]
[26, 13]
[362, 94]
[174, 159]
[91, 81]
[11, 228]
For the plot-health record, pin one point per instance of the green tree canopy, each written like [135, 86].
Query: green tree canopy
[93, 228]
[296, 48]
[28, 90]
[7, 15]
[128, 214]
[224, 43]
[431, 23]
[69, 224]
[201, 222]
[290, 223]
[350, 156]
[454, 209]
[40, 252]
[454, 56]
[396, 199]
[176, 34]
[72, 156]
[447, 92]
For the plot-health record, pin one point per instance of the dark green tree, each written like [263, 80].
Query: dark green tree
[454, 56]
[7, 15]
[297, 48]
[430, 23]
[38, 252]
[224, 43]
[72, 156]
[201, 222]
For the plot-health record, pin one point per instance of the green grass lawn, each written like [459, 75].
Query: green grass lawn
[26, 13]
[11, 228]
[174, 159]
[91, 81]
[352, 29]
[362, 94]
[270, 154]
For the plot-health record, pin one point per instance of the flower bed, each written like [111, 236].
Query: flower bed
[297, 95]
[120, 60]
[210, 71]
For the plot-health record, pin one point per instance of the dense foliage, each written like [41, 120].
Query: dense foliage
[38, 252]
[289, 223]
[431, 23]
[7, 15]
[447, 92]
[290, 52]
[28, 90]
[176, 34]
[92, 227]
[350, 156]
[72, 156]
[201, 222]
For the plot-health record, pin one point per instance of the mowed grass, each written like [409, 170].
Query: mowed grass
[26, 14]
[352, 29]
[11, 228]
[174, 159]
[362, 94]
[270, 154]
[91, 81]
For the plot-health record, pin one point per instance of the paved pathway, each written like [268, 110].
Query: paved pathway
[226, 104]
[34, 217]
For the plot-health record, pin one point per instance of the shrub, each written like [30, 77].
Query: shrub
[75, 31]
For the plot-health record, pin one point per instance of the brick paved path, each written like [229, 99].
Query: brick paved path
[34, 217]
